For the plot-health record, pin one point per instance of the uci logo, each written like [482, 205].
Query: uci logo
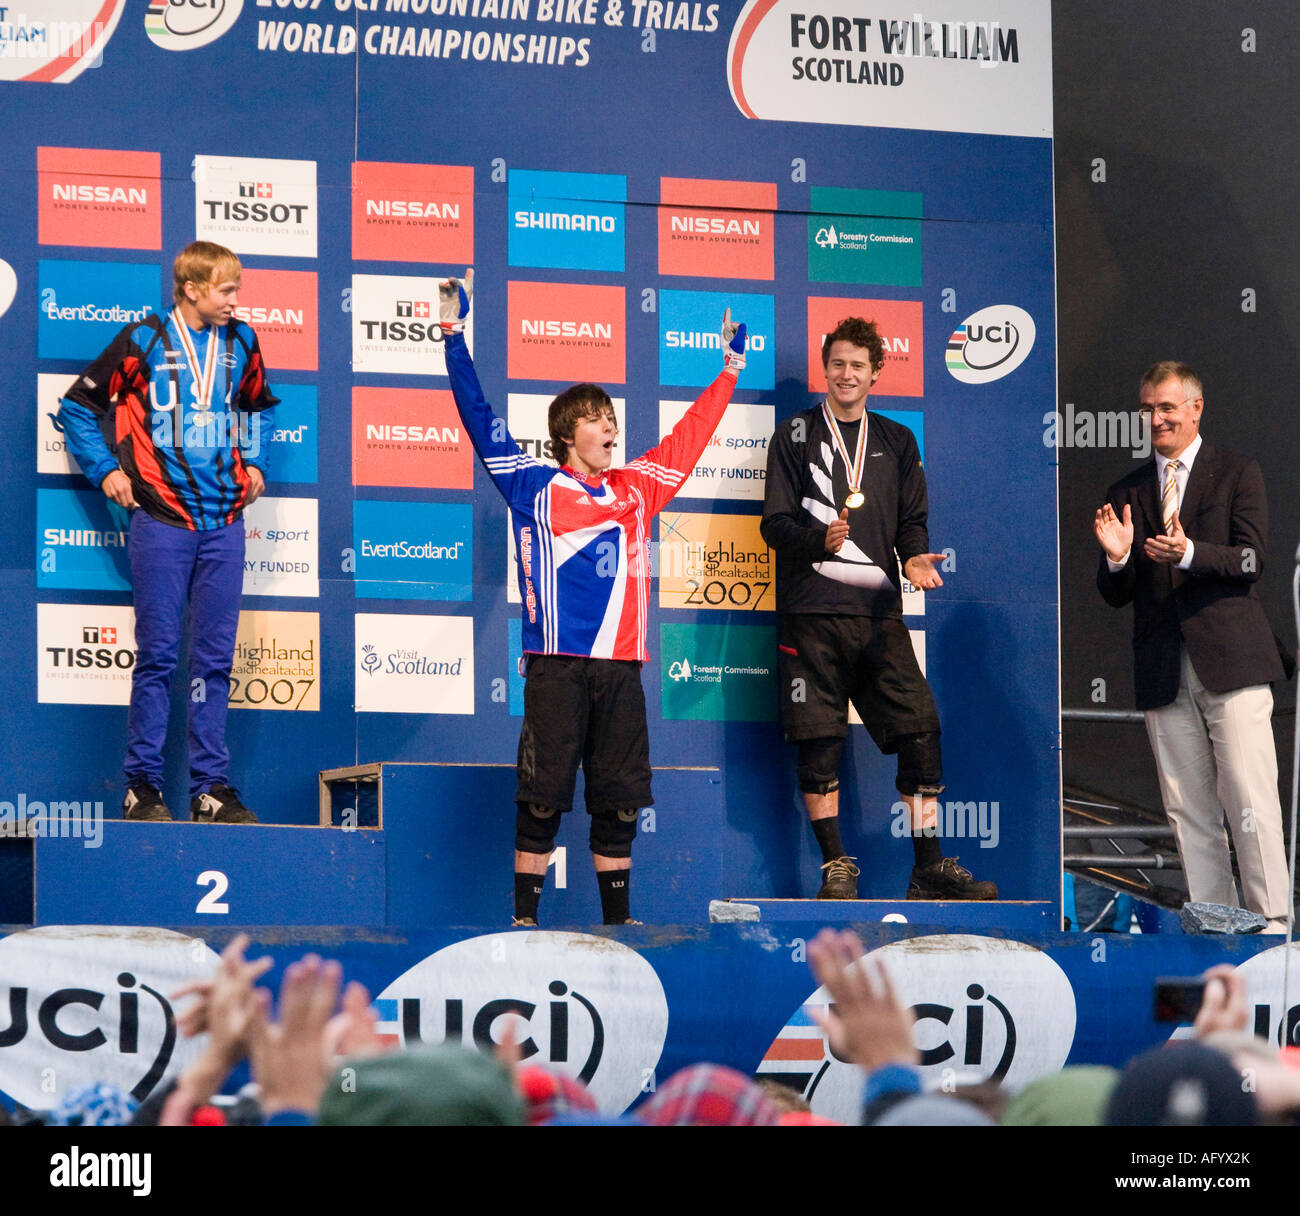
[184, 25]
[83, 1005]
[986, 1007]
[61, 1025]
[990, 344]
[588, 1006]
[568, 1021]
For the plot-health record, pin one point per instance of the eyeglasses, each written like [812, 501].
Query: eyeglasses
[1165, 409]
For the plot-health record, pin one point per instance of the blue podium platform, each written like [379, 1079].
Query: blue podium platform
[406, 880]
[191, 874]
[1010, 916]
[406, 845]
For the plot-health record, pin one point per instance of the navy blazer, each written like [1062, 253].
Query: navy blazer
[1212, 608]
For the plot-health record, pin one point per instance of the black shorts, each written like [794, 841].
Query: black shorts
[828, 661]
[589, 712]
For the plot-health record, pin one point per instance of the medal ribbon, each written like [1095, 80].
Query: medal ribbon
[853, 466]
[205, 381]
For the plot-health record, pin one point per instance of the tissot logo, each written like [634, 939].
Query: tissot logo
[185, 25]
[84, 654]
[413, 213]
[257, 205]
[395, 326]
[98, 197]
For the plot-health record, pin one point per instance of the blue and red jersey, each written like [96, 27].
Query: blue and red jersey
[182, 412]
[581, 542]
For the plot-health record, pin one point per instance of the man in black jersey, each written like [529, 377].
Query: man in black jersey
[845, 493]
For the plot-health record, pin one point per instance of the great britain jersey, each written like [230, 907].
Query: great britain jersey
[185, 411]
[584, 575]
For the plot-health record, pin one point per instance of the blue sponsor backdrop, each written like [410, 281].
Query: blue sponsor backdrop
[294, 435]
[637, 110]
[690, 342]
[413, 550]
[570, 221]
[83, 304]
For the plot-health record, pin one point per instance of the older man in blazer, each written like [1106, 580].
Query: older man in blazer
[1183, 540]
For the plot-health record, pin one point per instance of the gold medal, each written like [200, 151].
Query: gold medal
[853, 467]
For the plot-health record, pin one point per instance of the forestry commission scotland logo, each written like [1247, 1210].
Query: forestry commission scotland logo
[186, 25]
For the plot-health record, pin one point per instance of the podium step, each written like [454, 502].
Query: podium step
[204, 874]
[962, 915]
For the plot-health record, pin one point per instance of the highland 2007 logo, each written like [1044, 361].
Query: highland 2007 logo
[186, 25]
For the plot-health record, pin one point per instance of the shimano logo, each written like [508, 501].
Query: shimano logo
[680, 339]
[565, 221]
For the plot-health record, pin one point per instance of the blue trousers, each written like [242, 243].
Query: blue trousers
[172, 569]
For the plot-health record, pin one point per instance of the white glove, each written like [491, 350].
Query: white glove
[733, 342]
[453, 302]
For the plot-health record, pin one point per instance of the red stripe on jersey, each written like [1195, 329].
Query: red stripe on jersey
[147, 463]
[243, 480]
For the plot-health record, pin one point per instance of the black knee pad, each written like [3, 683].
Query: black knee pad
[612, 833]
[920, 764]
[818, 765]
[535, 828]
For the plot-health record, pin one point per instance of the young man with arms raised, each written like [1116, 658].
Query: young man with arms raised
[581, 533]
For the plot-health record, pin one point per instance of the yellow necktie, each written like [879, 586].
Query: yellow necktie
[1169, 499]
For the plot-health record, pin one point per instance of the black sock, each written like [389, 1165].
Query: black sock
[827, 832]
[614, 901]
[926, 850]
[528, 890]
